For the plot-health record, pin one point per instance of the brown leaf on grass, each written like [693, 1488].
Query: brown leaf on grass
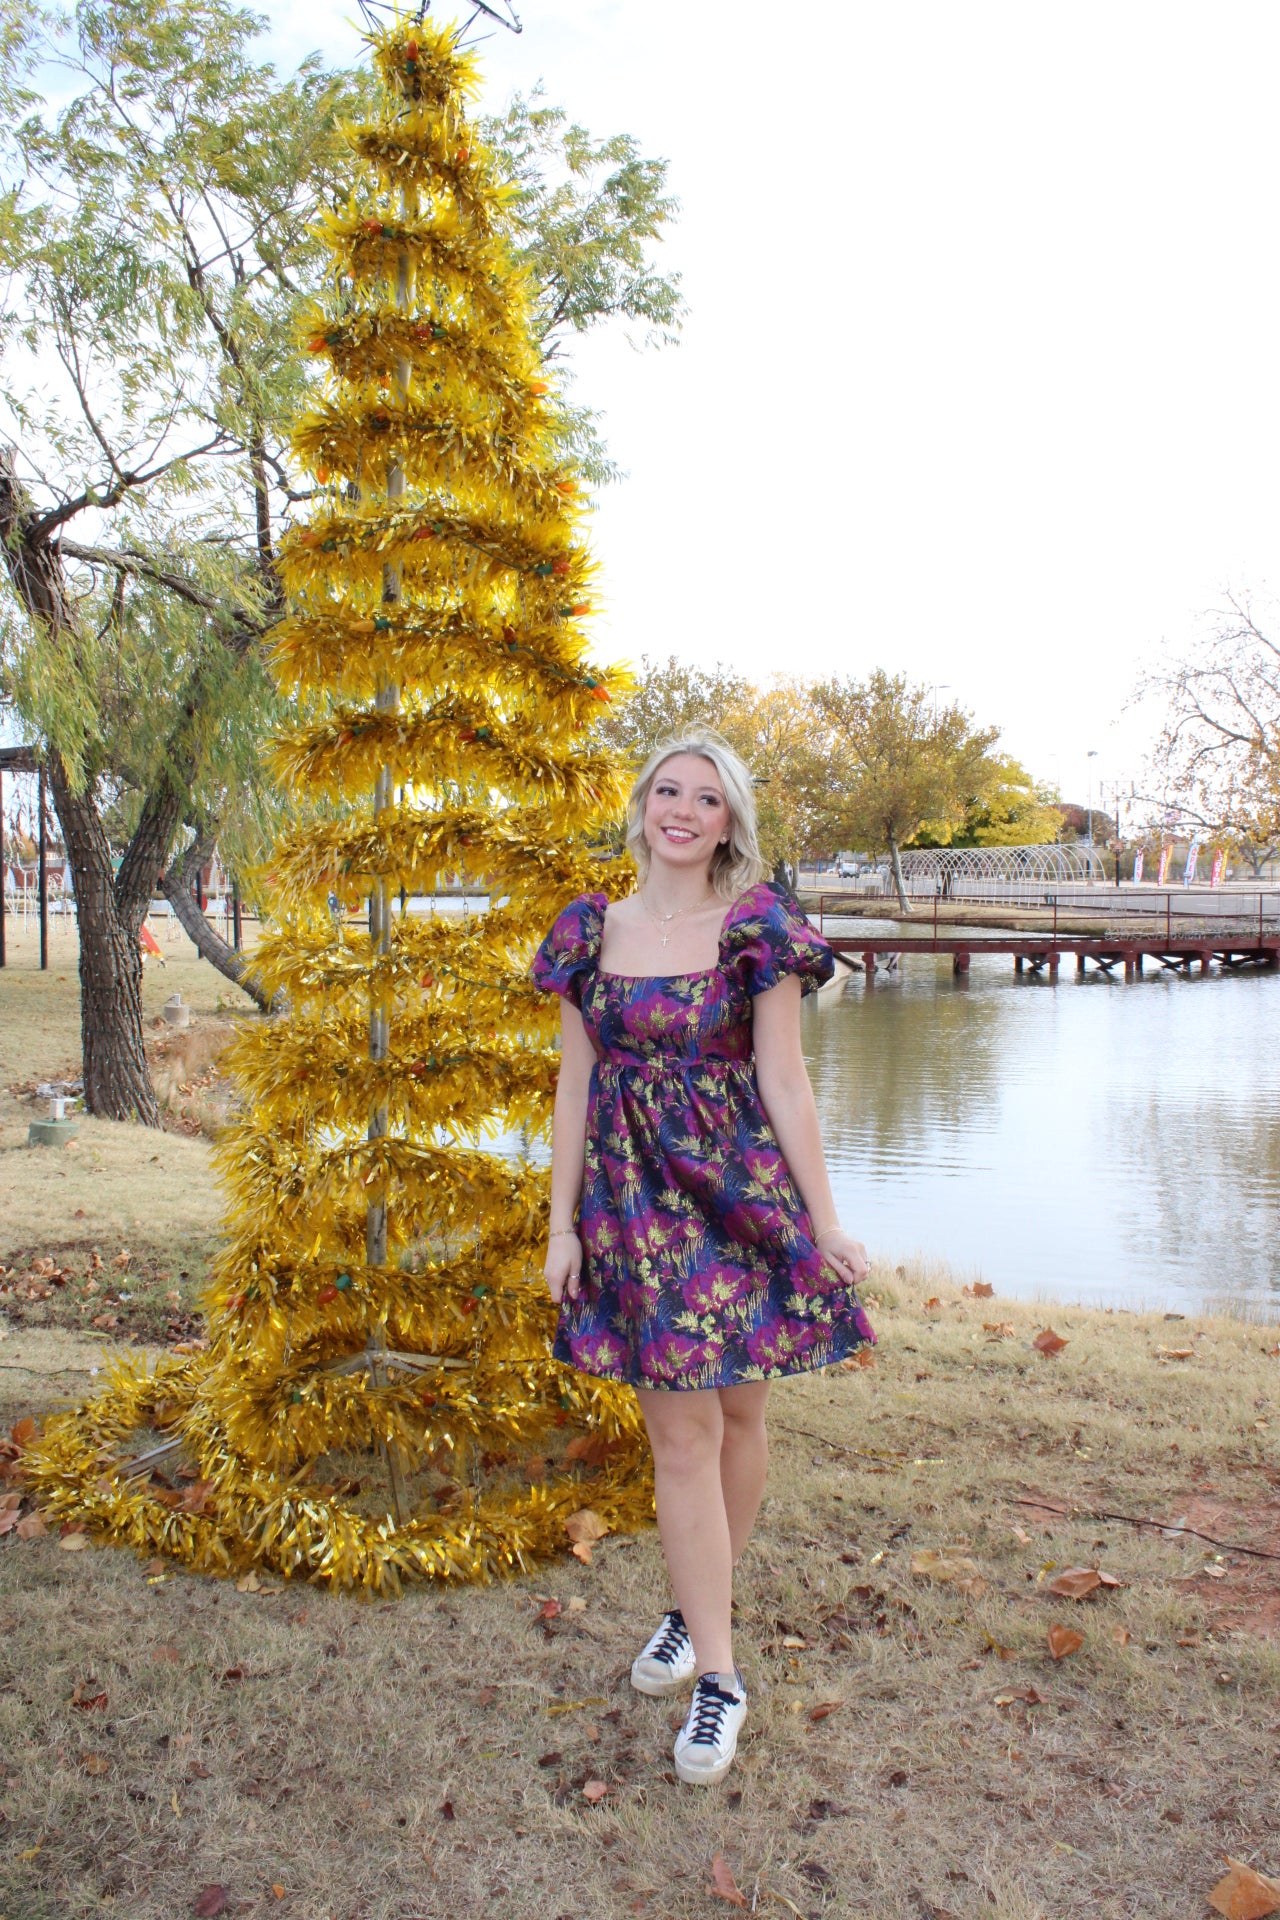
[723, 1883]
[594, 1791]
[1074, 1583]
[1175, 1353]
[998, 1329]
[1120, 1635]
[1027, 1695]
[447, 1812]
[30, 1527]
[581, 1550]
[536, 1468]
[932, 1301]
[74, 1542]
[155, 1566]
[584, 1526]
[1064, 1640]
[248, 1582]
[23, 1432]
[94, 1763]
[1005, 1653]
[1243, 1894]
[279, 1889]
[87, 1701]
[980, 1290]
[550, 1759]
[194, 1496]
[549, 1609]
[210, 1900]
[592, 1449]
[8, 1520]
[1048, 1343]
[823, 1708]
[169, 1656]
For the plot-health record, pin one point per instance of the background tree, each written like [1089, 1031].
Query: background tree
[1014, 811]
[158, 234]
[902, 763]
[1216, 766]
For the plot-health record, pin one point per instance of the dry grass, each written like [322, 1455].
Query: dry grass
[427, 1758]
[119, 1187]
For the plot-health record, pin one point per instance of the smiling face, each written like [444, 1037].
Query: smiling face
[686, 815]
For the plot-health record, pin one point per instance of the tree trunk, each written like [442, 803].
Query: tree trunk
[117, 1081]
[176, 886]
[784, 879]
[898, 881]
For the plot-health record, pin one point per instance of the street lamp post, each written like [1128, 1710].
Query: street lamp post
[1091, 756]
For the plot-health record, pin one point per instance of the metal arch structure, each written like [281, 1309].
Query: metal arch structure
[1001, 872]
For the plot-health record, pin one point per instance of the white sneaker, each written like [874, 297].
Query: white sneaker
[708, 1740]
[666, 1663]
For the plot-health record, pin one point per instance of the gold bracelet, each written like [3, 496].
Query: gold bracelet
[827, 1230]
[564, 1233]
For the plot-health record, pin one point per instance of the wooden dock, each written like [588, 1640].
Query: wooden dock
[1037, 955]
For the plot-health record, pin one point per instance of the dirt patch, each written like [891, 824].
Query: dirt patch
[1238, 1592]
[128, 1297]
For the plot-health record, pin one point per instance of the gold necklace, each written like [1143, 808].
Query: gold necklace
[662, 921]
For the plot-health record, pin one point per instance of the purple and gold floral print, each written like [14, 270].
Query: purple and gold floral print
[699, 1265]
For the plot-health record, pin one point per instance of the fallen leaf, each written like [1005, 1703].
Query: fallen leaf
[173, 1802]
[8, 1521]
[1048, 1343]
[932, 1301]
[594, 1791]
[248, 1582]
[552, 1759]
[577, 1604]
[549, 1610]
[23, 1433]
[1175, 1353]
[1064, 1640]
[278, 1889]
[74, 1542]
[824, 1707]
[169, 1655]
[88, 1702]
[1027, 1695]
[929, 1565]
[1075, 1583]
[1023, 1538]
[980, 1290]
[1120, 1635]
[581, 1551]
[446, 1811]
[794, 1641]
[998, 1329]
[210, 1901]
[723, 1883]
[94, 1763]
[194, 1496]
[30, 1527]
[592, 1449]
[585, 1526]
[155, 1566]
[29, 1853]
[1005, 1653]
[536, 1468]
[1243, 1894]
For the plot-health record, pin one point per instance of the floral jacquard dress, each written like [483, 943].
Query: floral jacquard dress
[699, 1265]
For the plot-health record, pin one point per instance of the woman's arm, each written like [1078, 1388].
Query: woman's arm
[788, 1102]
[568, 1151]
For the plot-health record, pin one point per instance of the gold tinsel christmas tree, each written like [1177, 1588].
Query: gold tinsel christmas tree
[378, 1399]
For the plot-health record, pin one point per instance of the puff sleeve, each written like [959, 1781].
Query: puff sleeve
[571, 949]
[769, 938]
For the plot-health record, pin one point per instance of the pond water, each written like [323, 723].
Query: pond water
[1095, 1141]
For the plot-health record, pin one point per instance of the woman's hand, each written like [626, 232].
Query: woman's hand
[847, 1255]
[563, 1269]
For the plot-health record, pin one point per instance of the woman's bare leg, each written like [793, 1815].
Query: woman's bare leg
[686, 1433]
[744, 1458]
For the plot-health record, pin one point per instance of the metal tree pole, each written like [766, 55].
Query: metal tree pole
[386, 700]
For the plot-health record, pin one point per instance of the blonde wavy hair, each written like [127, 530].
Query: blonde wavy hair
[737, 865]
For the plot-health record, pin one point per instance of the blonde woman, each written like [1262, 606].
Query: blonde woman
[694, 1246]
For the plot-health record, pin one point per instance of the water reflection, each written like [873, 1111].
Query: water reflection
[1093, 1141]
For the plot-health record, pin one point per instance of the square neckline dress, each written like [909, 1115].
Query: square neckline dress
[699, 1264]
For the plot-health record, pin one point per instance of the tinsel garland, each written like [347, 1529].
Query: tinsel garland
[435, 646]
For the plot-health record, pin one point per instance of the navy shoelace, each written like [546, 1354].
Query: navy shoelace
[675, 1637]
[707, 1712]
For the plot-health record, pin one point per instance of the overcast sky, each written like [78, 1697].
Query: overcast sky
[979, 378]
